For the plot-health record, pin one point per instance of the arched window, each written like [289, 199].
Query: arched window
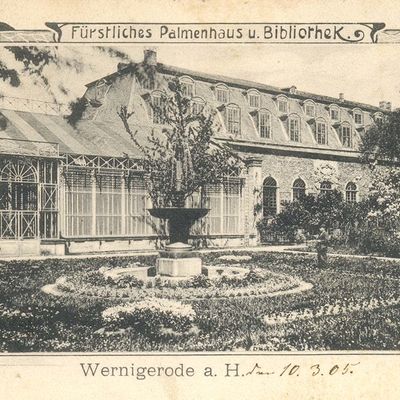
[157, 107]
[345, 135]
[299, 189]
[325, 187]
[19, 199]
[309, 108]
[222, 93]
[321, 132]
[264, 124]
[294, 128]
[254, 98]
[187, 86]
[270, 190]
[232, 118]
[351, 192]
[283, 105]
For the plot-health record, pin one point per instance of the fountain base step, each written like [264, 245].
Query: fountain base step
[179, 267]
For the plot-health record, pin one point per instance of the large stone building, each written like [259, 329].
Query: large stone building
[80, 189]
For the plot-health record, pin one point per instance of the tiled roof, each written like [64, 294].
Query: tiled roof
[245, 84]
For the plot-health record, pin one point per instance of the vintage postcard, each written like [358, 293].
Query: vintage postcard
[199, 200]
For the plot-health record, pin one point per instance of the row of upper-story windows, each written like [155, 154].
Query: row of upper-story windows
[263, 122]
[263, 119]
[221, 92]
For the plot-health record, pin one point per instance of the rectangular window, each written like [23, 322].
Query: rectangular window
[187, 89]
[233, 120]
[335, 114]
[264, 125]
[221, 95]
[137, 222]
[78, 203]
[108, 205]
[254, 100]
[346, 136]
[224, 201]
[283, 106]
[358, 118]
[147, 83]
[310, 110]
[294, 129]
[197, 107]
[105, 205]
[321, 136]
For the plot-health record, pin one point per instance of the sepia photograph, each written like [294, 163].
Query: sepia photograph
[182, 198]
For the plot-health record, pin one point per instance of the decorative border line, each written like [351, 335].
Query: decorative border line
[202, 33]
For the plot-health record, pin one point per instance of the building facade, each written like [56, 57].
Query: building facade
[79, 187]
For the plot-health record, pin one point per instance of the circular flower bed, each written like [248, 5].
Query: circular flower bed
[220, 282]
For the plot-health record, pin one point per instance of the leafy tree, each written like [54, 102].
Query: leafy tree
[184, 157]
[384, 197]
[9, 75]
[38, 64]
[311, 212]
[382, 140]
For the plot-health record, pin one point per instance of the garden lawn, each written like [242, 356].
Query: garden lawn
[33, 321]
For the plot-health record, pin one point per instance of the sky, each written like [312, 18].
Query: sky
[364, 73]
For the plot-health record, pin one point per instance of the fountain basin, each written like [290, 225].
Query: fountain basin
[180, 220]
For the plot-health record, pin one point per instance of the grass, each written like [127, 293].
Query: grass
[33, 321]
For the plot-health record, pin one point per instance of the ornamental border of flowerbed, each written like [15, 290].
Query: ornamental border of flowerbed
[278, 283]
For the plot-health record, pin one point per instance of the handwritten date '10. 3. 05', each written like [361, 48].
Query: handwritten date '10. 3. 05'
[291, 369]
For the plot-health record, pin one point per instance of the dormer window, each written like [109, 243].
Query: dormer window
[283, 105]
[254, 98]
[100, 90]
[294, 128]
[345, 135]
[309, 108]
[147, 83]
[358, 117]
[222, 93]
[197, 105]
[378, 118]
[334, 113]
[232, 119]
[157, 107]
[187, 86]
[321, 132]
[264, 124]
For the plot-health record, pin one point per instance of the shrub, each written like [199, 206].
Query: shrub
[151, 316]
[379, 241]
[199, 281]
[129, 281]
[254, 277]
[96, 278]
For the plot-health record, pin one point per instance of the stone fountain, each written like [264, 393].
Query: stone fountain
[178, 259]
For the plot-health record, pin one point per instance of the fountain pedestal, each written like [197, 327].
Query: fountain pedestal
[178, 259]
